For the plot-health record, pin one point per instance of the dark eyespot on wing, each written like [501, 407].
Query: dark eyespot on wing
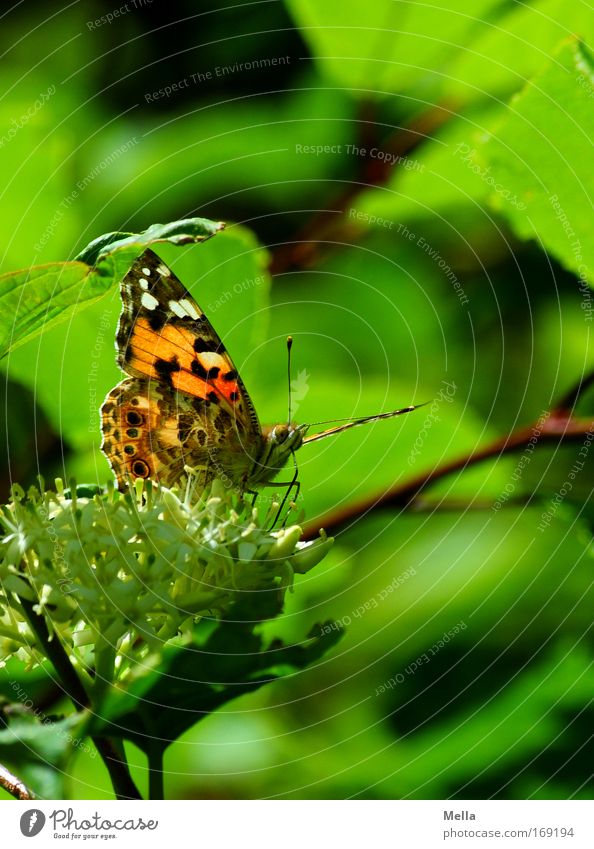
[230, 375]
[141, 469]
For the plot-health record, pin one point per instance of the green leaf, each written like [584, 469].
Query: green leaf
[512, 44]
[543, 155]
[510, 731]
[390, 47]
[226, 659]
[34, 300]
[38, 749]
[184, 232]
[448, 49]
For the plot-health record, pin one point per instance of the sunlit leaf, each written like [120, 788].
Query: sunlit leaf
[542, 156]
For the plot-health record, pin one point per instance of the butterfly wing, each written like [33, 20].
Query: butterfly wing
[139, 440]
[164, 335]
[185, 402]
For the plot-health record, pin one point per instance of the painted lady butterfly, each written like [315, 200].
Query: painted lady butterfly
[184, 402]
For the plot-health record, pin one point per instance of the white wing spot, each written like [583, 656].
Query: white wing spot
[149, 301]
[163, 270]
[184, 309]
[190, 308]
[176, 307]
[144, 284]
[146, 271]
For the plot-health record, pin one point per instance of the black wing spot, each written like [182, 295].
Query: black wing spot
[222, 422]
[231, 375]
[198, 369]
[199, 404]
[211, 346]
[204, 373]
[129, 449]
[165, 368]
[233, 396]
[213, 397]
[133, 418]
[132, 432]
[157, 319]
[183, 432]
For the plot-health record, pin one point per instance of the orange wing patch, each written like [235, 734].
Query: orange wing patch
[170, 355]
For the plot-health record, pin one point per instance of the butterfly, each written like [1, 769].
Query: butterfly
[183, 402]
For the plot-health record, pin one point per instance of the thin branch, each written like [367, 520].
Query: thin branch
[53, 649]
[463, 505]
[14, 785]
[330, 225]
[554, 428]
[112, 755]
[155, 758]
[568, 401]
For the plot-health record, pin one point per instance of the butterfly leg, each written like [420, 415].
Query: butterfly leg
[294, 483]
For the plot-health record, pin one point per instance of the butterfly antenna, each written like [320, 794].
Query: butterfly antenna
[349, 423]
[289, 346]
[365, 419]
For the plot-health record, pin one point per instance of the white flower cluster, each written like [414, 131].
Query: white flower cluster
[116, 576]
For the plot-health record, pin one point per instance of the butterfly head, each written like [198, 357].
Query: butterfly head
[284, 438]
[279, 442]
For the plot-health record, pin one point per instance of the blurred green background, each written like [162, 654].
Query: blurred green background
[418, 179]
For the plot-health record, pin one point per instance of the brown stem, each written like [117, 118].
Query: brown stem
[568, 401]
[552, 428]
[330, 224]
[14, 785]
